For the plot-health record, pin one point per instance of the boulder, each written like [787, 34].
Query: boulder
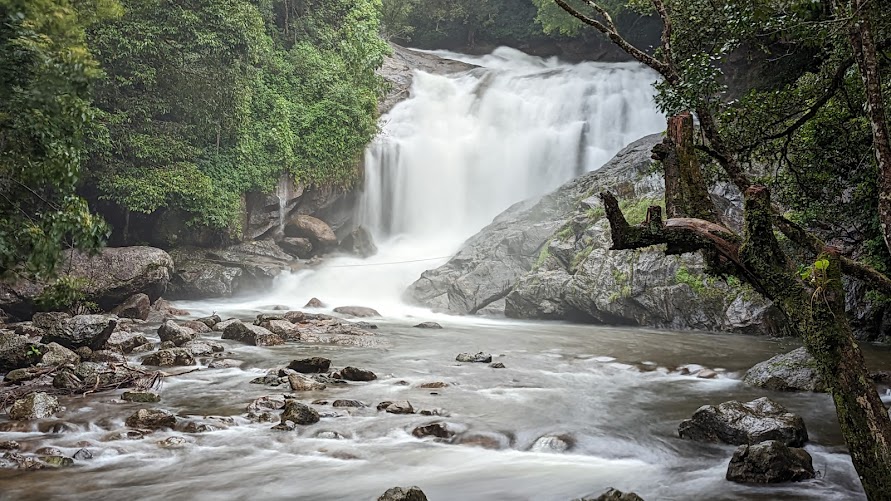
[205, 273]
[144, 397]
[210, 321]
[497, 365]
[107, 356]
[359, 243]
[438, 430]
[251, 334]
[739, 423]
[297, 247]
[310, 365]
[203, 347]
[221, 325]
[401, 407]
[552, 443]
[17, 352]
[483, 358]
[18, 376]
[355, 374]
[136, 306]
[172, 357]
[793, 371]
[125, 342]
[48, 319]
[298, 413]
[428, 325]
[56, 354]
[314, 303]
[92, 331]
[303, 383]
[770, 462]
[199, 327]
[34, 406]
[349, 403]
[357, 311]
[175, 333]
[283, 328]
[151, 419]
[403, 494]
[317, 231]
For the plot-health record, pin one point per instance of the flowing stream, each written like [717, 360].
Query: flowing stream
[578, 408]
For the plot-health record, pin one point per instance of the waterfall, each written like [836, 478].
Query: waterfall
[461, 149]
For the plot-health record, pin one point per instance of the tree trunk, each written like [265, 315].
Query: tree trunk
[686, 194]
[863, 43]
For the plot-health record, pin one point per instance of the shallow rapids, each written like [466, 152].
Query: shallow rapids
[606, 392]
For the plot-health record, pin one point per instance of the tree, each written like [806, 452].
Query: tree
[805, 283]
[46, 119]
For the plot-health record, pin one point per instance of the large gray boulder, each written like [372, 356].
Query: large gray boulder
[251, 334]
[108, 278]
[770, 462]
[403, 494]
[17, 352]
[739, 423]
[205, 273]
[550, 259]
[317, 231]
[34, 406]
[92, 331]
[793, 371]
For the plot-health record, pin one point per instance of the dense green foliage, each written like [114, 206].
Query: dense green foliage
[206, 100]
[46, 120]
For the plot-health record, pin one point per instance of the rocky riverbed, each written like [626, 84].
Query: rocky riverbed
[304, 399]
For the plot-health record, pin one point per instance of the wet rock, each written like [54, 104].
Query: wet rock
[480, 357]
[166, 345]
[146, 397]
[284, 426]
[303, 383]
[314, 303]
[210, 321]
[434, 412]
[202, 348]
[317, 231]
[252, 335]
[56, 427]
[298, 413]
[166, 309]
[349, 403]
[354, 374]
[401, 407]
[83, 455]
[497, 365]
[357, 311]
[403, 494]
[137, 306]
[9, 445]
[438, 430]
[19, 376]
[175, 333]
[365, 325]
[434, 385]
[221, 325]
[268, 380]
[57, 461]
[225, 363]
[151, 419]
[266, 404]
[125, 435]
[613, 495]
[793, 371]
[125, 342]
[428, 325]
[199, 327]
[172, 357]
[485, 441]
[706, 374]
[769, 462]
[49, 451]
[284, 328]
[173, 443]
[16, 460]
[310, 365]
[92, 331]
[17, 352]
[265, 317]
[143, 348]
[48, 319]
[329, 435]
[34, 406]
[297, 247]
[193, 427]
[28, 330]
[359, 242]
[108, 357]
[552, 443]
[739, 423]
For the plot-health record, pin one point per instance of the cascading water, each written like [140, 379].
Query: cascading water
[465, 147]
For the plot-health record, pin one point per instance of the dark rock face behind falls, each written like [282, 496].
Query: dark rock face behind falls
[550, 259]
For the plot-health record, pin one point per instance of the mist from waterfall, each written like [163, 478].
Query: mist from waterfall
[463, 148]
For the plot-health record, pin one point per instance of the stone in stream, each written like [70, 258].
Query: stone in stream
[251, 334]
[739, 423]
[314, 303]
[552, 443]
[57, 461]
[225, 363]
[210, 321]
[770, 462]
[199, 327]
[438, 430]
[434, 385]
[310, 365]
[357, 311]
[613, 495]
[83, 454]
[303, 383]
[173, 442]
[136, 306]
[298, 413]
[403, 494]
[9, 445]
[56, 354]
[497, 365]
[151, 419]
[793, 371]
[483, 358]
[355, 374]
[222, 324]
[172, 357]
[175, 333]
[401, 407]
[49, 451]
[92, 331]
[428, 325]
[34, 406]
[125, 342]
[284, 328]
[145, 397]
[349, 403]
